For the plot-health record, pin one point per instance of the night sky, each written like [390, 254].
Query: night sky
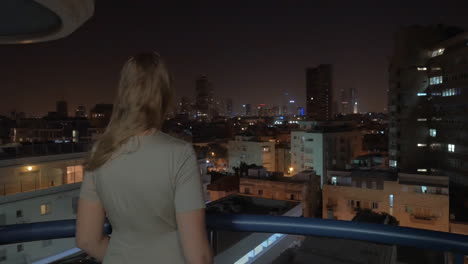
[252, 53]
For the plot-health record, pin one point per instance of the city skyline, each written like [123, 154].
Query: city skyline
[253, 65]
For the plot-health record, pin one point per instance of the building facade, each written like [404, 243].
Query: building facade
[250, 151]
[321, 146]
[428, 105]
[319, 92]
[204, 97]
[303, 187]
[417, 201]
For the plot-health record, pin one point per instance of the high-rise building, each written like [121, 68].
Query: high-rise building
[428, 106]
[354, 101]
[184, 105]
[247, 109]
[204, 96]
[344, 102]
[62, 109]
[319, 91]
[80, 111]
[229, 107]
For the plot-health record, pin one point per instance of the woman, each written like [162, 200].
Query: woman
[146, 182]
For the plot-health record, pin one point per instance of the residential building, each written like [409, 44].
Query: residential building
[429, 107]
[320, 146]
[303, 187]
[250, 150]
[319, 92]
[418, 201]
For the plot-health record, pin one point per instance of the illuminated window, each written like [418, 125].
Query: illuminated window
[422, 145]
[422, 69]
[333, 180]
[451, 147]
[424, 189]
[393, 163]
[435, 80]
[45, 209]
[422, 170]
[390, 200]
[437, 52]
[433, 132]
[422, 119]
[422, 94]
[74, 174]
[266, 149]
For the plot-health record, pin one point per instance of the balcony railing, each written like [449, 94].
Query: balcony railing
[392, 235]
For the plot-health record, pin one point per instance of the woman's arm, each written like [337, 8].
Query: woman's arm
[192, 231]
[90, 229]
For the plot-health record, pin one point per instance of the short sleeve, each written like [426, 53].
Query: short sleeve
[88, 187]
[188, 186]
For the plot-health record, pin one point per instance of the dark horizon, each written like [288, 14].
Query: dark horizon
[251, 53]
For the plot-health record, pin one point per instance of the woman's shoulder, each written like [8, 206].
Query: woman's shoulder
[162, 139]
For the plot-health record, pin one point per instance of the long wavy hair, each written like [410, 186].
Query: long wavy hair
[143, 98]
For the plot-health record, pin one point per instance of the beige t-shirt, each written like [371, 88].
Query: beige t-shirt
[142, 187]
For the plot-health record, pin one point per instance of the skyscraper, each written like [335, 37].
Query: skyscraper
[428, 107]
[204, 96]
[319, 91]
[229, 107]
[62, 109]
[344, 102]
[354, 101]
[184, 105]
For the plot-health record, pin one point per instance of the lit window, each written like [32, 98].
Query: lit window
[451, 147]
[422, 119]
[433, 132]
[45, 209]
[424, 189]
[435, 80]
[436, 146]
[422, 69]
[393, 163]
[266, 149]
[74, 174]
[422, 94]
[422, 145]
[422, 170]
[438, 52]
[390, 200]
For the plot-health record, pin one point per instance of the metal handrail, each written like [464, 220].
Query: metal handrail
[393, 235]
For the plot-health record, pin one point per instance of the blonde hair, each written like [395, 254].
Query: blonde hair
[142, 101]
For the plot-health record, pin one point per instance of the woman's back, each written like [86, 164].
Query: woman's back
[142, 187]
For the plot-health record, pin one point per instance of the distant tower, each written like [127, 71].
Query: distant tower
[229, 107]
[80, 112]
[319, 91]
[247, 109]
[354, 102]
[184, 105]
[344, 102]
[62, 109]
[204, 96]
